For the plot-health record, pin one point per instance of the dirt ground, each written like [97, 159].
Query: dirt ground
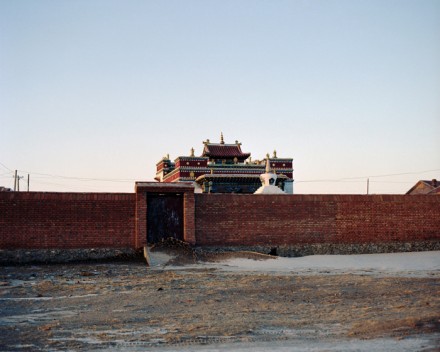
[123, 306]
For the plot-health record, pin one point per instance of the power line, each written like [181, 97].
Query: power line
[388, 175]
[402, 182]
[80, 178]
[7, 168]
[67, 186]
[329, 181]
[354, 179]
[348, 181]
[345, 179]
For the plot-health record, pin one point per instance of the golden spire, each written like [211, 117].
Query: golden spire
[192, 152]
[222, 141]
[274, 154]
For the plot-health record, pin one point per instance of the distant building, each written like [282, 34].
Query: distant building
[224, 168]
[425, 187]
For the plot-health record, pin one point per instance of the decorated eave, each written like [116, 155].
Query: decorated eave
[221, 177]
[184, 157]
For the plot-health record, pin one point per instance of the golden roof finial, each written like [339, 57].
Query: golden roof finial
[274, 154]
[222, 141]
[192, 151]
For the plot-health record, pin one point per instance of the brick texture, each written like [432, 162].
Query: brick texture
[66, 220]
[38, 220]
[249, 220]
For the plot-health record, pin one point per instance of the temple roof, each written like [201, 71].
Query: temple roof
[224, 151]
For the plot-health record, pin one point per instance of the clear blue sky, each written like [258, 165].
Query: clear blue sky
[101, 90]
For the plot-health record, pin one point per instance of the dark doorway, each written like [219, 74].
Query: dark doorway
[164, 216]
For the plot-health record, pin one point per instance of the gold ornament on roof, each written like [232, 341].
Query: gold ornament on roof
[222, 141]
[192, 151]
[274, 154]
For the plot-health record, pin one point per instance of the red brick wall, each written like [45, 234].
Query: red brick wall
[93, 220]
[66, 220]
[246, 220]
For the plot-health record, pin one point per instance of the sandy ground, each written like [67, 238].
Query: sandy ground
[239, 302]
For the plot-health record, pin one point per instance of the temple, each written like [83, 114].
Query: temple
[224, 168]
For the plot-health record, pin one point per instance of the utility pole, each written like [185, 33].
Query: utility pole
[17, 181]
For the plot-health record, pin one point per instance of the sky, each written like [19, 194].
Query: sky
[93, 93]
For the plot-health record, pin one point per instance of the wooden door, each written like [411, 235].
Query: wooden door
[164, 216]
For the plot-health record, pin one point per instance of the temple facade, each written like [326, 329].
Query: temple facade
[224, 168]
